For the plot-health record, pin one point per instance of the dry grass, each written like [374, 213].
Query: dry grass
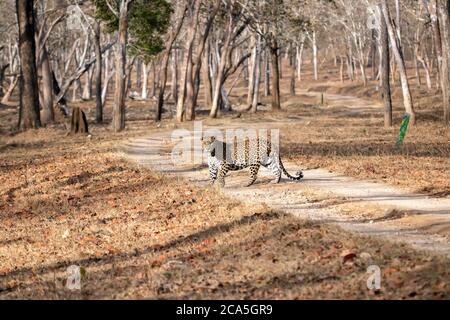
[140, 235]
[359, 146]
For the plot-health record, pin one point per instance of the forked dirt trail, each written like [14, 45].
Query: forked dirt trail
[360, 206]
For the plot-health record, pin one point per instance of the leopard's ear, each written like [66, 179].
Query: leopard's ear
[209, 139]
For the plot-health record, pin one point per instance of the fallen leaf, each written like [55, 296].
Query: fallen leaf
[347, 255]
[389, 270]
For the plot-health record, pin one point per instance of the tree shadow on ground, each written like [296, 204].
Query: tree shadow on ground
[123, 256]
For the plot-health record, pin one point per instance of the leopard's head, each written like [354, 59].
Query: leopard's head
[207, 142]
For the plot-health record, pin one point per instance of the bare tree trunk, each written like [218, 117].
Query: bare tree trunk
[188, 108]
[407, 98]
[246, 70]
[128, 71]
[416, 54]
[221, 69]
[106, 78]
[197, 81]
[175, 76]
[48, 116]
[293, 67]
[266, 73]
[436, 31]
[98, 74]
[165, 63]
[280, 65]
[257, 74]
[60, 100]
[385, 74]
[75, 89]
[207, 75]
[194, 83]
[440, 47]
[416, 71]
[87, 89]
[252, 67]
[373, 55]
[9, 92]
[362, 67]
[276, 103]
[444, 14]
[121, 65]
[138, 74]
[300, 60]
[144, 93]
[105, 87]
[349, 61]
[314, 47]
[187, 59]
[154, 82]
[427, 72]
[163, 83]
[29, 116]
[219, 82]
[235, 82]
[2, 75]
[398, 21]
[213, 67]
[45, 69]
[225, 102]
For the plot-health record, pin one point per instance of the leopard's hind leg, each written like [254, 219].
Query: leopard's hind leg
[273, 164]
[254, 168]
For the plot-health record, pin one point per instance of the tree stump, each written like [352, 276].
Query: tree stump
[79, 122]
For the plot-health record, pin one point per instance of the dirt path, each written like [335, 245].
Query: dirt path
[360, 206]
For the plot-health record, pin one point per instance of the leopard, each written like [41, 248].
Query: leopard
[256, 153]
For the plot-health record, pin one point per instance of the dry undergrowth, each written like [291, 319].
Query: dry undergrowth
[137, 234]
[359, 146]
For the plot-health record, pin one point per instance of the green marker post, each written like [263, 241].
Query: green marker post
[403, 129]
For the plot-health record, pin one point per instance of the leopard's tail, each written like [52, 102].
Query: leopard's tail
[298, 176]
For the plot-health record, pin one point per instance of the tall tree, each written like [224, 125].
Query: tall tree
[98, 73]
[194, 11]
[173, 34]
[121, 65]
[29, 116]
[407, 98]
[234, 27]
[444, 14]
[273, 49]
[385, 71]
[193, 85]
[140, 26]
[43, 60]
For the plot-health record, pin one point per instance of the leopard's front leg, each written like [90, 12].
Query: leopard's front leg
[213, 166]
[213, 173]
[223, 170]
